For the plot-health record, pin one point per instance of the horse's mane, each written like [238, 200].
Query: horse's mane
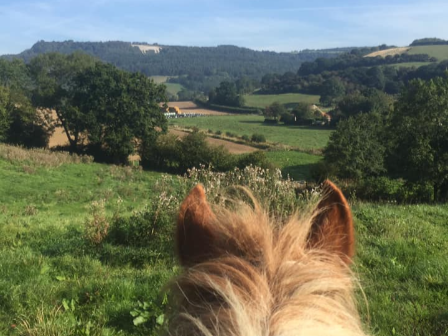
[248, 275]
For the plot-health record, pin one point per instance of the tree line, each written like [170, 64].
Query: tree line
[104, 111]
[198, 68]
[393, 150]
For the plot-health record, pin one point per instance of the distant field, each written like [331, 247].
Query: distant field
[296, 136]
[191, 107]
[295, 164]
[409, 64]
[264, 100]
[438, 51]
[388, 52]
[232, 147]
[173, 88]
[159, 79]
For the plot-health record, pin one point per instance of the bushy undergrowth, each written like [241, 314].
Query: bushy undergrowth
[152, 226]
[172, 154]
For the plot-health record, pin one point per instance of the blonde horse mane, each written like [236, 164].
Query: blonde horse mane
[246, 275]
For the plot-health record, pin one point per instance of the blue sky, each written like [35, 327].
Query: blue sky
[280, 25]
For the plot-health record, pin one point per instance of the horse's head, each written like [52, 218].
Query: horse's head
[244, 274]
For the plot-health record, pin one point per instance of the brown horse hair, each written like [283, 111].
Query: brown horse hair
[246, 275]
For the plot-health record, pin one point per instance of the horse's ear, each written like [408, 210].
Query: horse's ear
[332, 228]
[194, 236]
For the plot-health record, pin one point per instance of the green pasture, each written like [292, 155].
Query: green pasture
[53, 282]
[160, 79]
[301, 137]
[408, 64]
[296, 165]
[263, 100]
[438, 51]
[173, 88]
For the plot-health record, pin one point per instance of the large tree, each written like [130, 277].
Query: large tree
[53, 75]
[419, 130]
[120, 110]
[356, 149]
[331, 90]
[226, 94]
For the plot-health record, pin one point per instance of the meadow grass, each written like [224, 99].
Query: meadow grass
[403, 266]
[438, 51]
[159, 79]
[296, 165]
[53, 281]
[408, 64]
[301, 137]
[263, 100]
[173, 88]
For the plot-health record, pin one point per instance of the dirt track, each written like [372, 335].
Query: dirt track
[232, 147]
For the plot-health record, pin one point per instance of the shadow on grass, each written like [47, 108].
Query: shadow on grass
[300, 172]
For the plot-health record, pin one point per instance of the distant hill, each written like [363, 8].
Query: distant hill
[428, 41]
[179, 60]
[437, 51]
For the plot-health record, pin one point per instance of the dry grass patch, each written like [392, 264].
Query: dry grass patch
[389, 52]
[40, 157]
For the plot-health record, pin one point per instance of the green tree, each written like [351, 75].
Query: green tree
[303, 111]
[419, 131]
[331, 90]
[119, 110]
[356, 148]
[20, 122]
[226, 94]
[5, 119]
[53, 75]
[366, 102]
[274, 111]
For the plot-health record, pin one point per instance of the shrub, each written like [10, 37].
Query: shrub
[245, 137]
[96, 228]
[230, 134]
[218, 132]
[258, 138]
[150, 227]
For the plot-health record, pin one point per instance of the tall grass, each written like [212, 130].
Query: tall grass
[63, 273]
[40, 157]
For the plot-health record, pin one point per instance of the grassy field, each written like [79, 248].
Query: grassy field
[258, 100]
[53, 282]
[296, 136]
[173, 88]
[159, 79]
[296, 165]
[438, 51]
[409, 64]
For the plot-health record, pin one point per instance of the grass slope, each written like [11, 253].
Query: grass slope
[296, 165]
[438, 51]
[259, 100]
[173, 88]
[402, 260]
[296, 136]
[53, 283]
[46, 264]
[408, 64]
